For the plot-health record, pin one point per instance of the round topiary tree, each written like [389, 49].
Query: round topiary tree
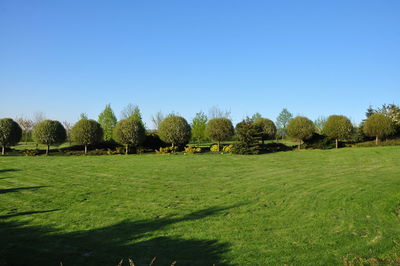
[86, 132]
[129, 132]
[10, 133]
[265, 128]
[49, 132]
[219, 129]
[301, 128]
[338, 127]
[378, 126]
[174, 130]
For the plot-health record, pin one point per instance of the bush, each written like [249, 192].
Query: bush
[214, 148]
[31, 152]
[192, 150]
[152, 141]
[248, 144]
[388, 142]
[167, 150]
[318, 141]
[227, 148]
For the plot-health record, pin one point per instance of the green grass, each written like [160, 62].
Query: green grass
[295, 208]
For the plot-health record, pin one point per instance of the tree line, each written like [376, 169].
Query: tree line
[177, 132]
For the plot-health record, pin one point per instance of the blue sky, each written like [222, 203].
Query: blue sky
[313, 57]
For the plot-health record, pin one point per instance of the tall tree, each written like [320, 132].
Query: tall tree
[300, 128]
[10, 133]
[282, 121]
[26, 124]
[129, 132]
[219, 129]
[378, 126]
[216, 112]
[86, 132]
[174, 130]
[68, 127]
[338, 127]
[131, 111]
[49, 132]
[107, 120]
[247, 142]
[157, 119]
[199, 124]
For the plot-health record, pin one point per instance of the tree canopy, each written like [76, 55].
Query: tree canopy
[219, 129]
[129, 132]
[300, 128]
[174, 130]
[86, 132]
[199, 124]
[10, 133]
[378, 126]
[107, 121]
[338, 127]
[49, 132]
[265, 128]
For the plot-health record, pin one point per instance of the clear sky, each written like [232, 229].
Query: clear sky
[313, 57]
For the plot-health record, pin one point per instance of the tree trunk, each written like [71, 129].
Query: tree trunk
[126, 149]
[219, 144]
[377, 140]
[262, 141]
[299, 145]
[47, 149]
[337, 143]
[3, 150]
[85, 149]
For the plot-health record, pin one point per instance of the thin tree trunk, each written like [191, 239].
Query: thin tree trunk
[3, 150]
[47, 149]
[337, 143]
[299, 145]
[85, 149]
[126, 149]
[218, 144]
[377, 140]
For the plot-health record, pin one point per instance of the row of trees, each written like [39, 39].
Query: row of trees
[176, 131]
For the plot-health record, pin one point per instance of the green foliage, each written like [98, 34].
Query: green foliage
[129, 132]
[87, 132]
[107, 121]
[301, 128]
[167, 150]
[318, 141]
[219, 129]
[319, 124]
[83, 116]
[247, 142]
[282, 122]
[388, 142]
[338, 127]
[199, 124]
[131, 111]
[255, 117]
[33, 152]
[175, 130]
[10, 133]
[265, 128]
[49, 132]
[379, 126]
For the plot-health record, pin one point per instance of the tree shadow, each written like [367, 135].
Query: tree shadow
[8, 190]
[22, 244]
[25, 213]
[9, 170]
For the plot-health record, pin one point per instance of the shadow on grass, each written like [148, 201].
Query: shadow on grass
[25, 213]
[17, 189]
[23, 244]
[9, 170]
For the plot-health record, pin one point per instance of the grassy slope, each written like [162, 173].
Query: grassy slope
[309, 207]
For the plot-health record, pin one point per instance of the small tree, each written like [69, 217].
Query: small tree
[378, 126]
[300, 128]
[246, 131]
[265, 128]
[174, 130]
[219, 129]
[282, 121]
[157, 119]
[10, 133]
[68, 127]
[129, 132]
[320, 124]
[86, 132]
[199, 124]
[49, 132]
[107, 122]
[338, 127]
[131, 111]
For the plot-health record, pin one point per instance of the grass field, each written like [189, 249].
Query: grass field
[295, 208]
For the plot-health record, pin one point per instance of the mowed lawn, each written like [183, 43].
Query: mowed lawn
[295, 208]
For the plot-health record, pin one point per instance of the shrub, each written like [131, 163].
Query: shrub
[214, 148]
[301, 128]
[378, 126]
[49, 132]
[129, 132]
[219, 129]
[10, 133]
[246, 131]
[167, 150]
[31, 152]
[227, 148]
[86, 132]
[175, 130]
[318, 141]
[152, 141]
[192, 150]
